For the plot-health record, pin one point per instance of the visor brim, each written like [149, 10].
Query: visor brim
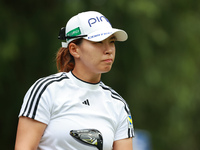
[101, 35]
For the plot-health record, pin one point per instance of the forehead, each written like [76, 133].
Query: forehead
[112, 37]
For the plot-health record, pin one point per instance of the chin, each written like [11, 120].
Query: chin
[106, 70]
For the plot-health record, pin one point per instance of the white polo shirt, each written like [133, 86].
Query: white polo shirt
[65, 103]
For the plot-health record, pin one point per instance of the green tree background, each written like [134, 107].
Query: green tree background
[156, 70]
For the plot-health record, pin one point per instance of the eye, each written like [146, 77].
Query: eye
[112, 41]
[97, 42]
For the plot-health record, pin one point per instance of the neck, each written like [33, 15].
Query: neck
[87, 76]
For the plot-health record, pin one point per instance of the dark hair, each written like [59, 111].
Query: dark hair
[64, 60]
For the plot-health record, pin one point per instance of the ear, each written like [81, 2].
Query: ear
[74, 50]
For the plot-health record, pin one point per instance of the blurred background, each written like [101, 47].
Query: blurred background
[156, 70]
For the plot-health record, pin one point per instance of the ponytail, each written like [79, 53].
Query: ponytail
[64, 60]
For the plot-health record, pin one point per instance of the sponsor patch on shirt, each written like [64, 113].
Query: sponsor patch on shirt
[130, 122]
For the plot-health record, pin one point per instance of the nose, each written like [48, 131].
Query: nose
[108, 48]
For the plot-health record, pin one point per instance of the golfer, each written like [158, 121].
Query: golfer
[73, 109]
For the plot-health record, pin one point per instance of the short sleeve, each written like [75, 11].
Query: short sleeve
[37, 103]
[125, 125]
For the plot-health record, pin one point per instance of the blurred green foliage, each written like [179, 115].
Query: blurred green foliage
[156, 70]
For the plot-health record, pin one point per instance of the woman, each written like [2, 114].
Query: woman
[73, 109]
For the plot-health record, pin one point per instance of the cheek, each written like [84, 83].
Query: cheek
[114, 52]
[90, 59]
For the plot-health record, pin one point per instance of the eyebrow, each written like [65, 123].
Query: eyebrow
[113, 38]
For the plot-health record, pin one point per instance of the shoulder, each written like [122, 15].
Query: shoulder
[117, 98]
[42, 84]
[57, 77]
[48, 80]
[113, 93]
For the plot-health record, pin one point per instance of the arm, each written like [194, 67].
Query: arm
[124, 144]
[29, 133]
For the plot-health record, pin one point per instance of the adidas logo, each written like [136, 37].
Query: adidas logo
[86, 102]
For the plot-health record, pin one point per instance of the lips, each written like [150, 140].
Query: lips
[108, 60]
